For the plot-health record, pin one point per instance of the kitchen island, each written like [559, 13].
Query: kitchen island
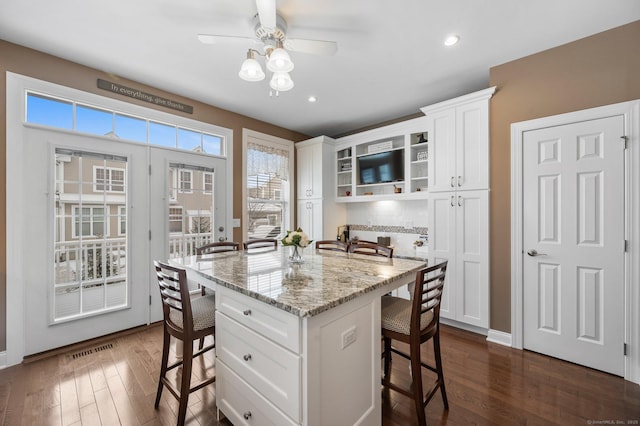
[299, 343]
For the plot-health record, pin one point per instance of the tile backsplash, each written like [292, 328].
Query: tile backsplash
[403, 221]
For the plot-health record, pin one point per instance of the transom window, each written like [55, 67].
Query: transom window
[75, 116]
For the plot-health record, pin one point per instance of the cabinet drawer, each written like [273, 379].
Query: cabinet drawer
[273, 323]
[242, 404]
[269, 368]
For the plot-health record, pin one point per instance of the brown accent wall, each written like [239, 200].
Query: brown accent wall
[38, 65]
[598, 70]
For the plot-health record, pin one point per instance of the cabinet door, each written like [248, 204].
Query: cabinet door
[441, 223]
[472, 146]
[442, 151]
[309, 171]
[310, 218]
[472, 257]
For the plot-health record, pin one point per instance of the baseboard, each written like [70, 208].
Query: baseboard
[499, 337]
[463, 326]
[3, 360]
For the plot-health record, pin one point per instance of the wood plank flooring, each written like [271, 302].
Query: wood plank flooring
[487, 384]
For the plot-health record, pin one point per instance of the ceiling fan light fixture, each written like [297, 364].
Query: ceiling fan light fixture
[251, 69]
[281, 82]
[279, 61]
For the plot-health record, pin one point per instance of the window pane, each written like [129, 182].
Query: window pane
[49, 112]
[189, 140]
[161, 134]
[211, 144]
[131, 128]
[92, 120]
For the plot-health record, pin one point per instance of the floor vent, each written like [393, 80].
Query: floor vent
[92, 351]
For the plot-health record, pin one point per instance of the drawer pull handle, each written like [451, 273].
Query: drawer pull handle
[247, 312]
[247, 415]
[247, 357]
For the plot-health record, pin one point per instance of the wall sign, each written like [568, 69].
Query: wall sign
[143, 96]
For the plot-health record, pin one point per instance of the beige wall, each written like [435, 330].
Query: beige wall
[35, 64]
[598, 70]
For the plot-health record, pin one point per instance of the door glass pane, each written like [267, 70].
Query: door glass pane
[90, 259]
[211, 144]
[190, 212]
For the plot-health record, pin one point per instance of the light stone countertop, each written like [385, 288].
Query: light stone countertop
[325, 279]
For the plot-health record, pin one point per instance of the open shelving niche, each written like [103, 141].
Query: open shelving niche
[410, 136]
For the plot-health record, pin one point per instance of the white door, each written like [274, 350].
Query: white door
[188, 194]
[573, 238]
[84, 262]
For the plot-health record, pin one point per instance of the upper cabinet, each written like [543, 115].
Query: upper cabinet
[446, 150]
[459, 142]
[309, 172]
[388, 162]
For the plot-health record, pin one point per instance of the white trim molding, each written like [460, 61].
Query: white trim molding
[499, 337]
[631, 113]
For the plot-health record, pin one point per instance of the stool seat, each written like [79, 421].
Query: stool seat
[396, 315]
[203, 310]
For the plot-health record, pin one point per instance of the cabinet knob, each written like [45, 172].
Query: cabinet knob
[459, 201]
[247, 415]
[247, 357]
[453, 201]
[452, 184]
[459, 180]
[247, 312]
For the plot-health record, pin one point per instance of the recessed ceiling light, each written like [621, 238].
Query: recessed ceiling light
[312, 99]
[451, 40]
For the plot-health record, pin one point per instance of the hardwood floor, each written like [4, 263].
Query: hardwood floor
[113, 381]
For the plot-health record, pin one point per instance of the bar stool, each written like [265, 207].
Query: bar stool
[187, 321]
[334, 245]
[370, 249]
[414, 322]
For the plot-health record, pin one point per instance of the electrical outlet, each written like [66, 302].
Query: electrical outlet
[348, 337]
[236, 222]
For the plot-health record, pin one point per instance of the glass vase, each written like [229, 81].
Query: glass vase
[296, 256]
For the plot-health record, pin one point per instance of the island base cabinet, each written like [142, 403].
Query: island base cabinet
[241, 404]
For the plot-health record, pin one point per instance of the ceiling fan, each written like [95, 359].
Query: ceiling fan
[271, 32]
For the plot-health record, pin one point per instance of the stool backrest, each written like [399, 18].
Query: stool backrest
[218, 247]
[174, 292]
[261, 243]
[371, 249]
[427, 293]
[334, 245]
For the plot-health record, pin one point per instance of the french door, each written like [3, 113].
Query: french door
[187, 202]
[84, 238]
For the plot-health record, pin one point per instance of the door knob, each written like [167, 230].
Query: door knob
[534, 253]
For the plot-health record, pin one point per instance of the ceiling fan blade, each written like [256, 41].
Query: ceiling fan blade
[267, 13]
[314, 47]
[215, 39]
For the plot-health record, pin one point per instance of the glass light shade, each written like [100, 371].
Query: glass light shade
[281, 82]
[251, 70]
[279, 61]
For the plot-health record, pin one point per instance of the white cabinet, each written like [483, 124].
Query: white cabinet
[258, 362]
[459, 232]
[318, 213]
[311, 218]
[459, 142]
[309, 169]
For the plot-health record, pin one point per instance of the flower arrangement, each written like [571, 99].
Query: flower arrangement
[296, 238]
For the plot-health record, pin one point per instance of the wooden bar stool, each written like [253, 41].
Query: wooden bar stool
[187, 321]
[369, 248]
[414, 322]
[334, 245]
[261, 243]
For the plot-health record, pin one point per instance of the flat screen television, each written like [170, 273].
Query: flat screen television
[381, 167]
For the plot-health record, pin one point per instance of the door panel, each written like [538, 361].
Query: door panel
[76, 264]
[573, 208]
